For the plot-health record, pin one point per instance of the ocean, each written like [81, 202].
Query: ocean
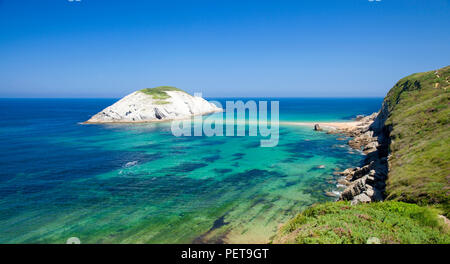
[140, 184]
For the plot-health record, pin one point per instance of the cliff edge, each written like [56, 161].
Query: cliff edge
[407, 166]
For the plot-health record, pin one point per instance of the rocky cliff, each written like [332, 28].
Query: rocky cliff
[415, 123]
[407, 165]
[366, 183]
[407, 145]
[154, 104]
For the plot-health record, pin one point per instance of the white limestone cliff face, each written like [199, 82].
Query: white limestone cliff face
[141, 107]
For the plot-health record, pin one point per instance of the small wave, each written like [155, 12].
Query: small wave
[337, 193]
[130, 164]
[339, 146]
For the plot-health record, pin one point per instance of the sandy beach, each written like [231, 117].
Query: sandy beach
[329, 125]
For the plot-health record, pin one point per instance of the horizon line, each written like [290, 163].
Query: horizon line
[218, 97]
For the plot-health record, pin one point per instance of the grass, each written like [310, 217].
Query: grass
[161, 102]
[420, 139]
[388, 222]
[418, 185]
[159, 93]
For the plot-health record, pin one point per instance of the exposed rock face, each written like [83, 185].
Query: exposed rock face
[142, 107]
[357, 187]
[359, 117]
[367, 183]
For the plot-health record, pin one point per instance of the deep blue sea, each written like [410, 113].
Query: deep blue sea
[140, 184]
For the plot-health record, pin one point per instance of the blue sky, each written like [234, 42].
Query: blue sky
[107, 48]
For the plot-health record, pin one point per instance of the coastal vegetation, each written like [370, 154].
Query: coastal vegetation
[420, 139]
[379, 222]
[414, 120]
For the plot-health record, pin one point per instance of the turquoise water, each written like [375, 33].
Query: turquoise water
[140, 184]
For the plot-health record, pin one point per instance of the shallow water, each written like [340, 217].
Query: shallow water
[140, 184]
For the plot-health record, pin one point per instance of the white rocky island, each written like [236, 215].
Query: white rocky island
[154, 104]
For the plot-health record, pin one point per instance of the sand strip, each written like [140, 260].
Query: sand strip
[332, 125]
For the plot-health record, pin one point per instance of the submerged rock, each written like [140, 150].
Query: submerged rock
[331, 194]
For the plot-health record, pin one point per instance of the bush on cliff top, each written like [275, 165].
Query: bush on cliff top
[340, 222]
[419, 115]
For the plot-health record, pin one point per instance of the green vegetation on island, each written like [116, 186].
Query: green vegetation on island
[415, 119]
[159, 93]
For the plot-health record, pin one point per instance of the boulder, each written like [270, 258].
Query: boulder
[343, 181]
[360, 172]
[369, 192]
[361, 198]
[355, 188]
[371, 146]
[359, 117]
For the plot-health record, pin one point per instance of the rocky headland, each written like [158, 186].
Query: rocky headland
[406, 165]
[162, 103]
[366, 183]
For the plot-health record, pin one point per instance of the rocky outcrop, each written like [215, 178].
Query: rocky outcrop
[140, 106]
[367, 183]
[317, 127]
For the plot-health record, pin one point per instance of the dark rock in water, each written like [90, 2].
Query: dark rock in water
[222, 171]
[218, 223]
[317, 127]
[212, 158]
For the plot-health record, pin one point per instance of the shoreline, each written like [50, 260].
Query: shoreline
[333, 125]
[358, 184]
[367, 183]
[149, 121]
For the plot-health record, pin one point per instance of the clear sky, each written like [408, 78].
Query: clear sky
[312, 48]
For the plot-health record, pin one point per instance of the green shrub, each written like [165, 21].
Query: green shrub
[388, 222]
[159, 93]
